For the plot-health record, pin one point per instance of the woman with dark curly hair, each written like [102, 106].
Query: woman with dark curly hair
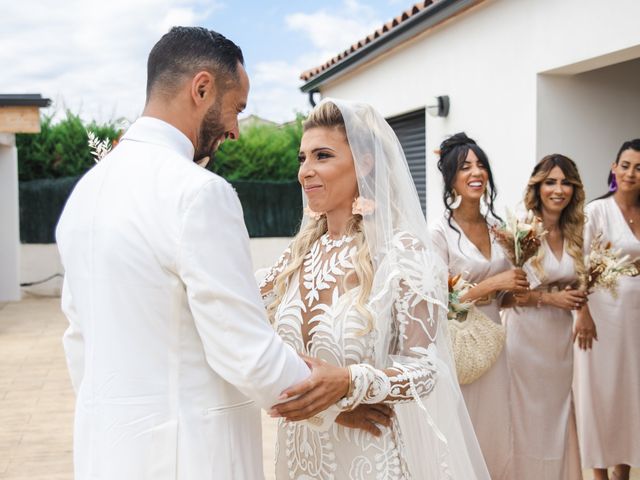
[540, 330]
[607, 378]
[464, 241]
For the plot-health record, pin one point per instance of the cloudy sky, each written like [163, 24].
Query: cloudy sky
[89, 56]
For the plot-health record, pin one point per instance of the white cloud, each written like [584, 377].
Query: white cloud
[276, 85]
[275, 93]
[88, 56]
[331, 32]
[275, 72]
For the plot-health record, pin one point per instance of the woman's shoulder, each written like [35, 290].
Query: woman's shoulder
[599, 206]
[440, 225]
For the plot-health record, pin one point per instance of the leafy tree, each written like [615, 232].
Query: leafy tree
[263, 152]
[60, 149]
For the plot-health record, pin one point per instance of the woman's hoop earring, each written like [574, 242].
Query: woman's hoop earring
[454, 200]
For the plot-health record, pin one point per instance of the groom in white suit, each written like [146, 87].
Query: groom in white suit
[168, 345]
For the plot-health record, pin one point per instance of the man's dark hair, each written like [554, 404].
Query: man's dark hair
[185, 51]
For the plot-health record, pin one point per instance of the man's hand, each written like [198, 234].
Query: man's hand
[325, 386]
[367, 417]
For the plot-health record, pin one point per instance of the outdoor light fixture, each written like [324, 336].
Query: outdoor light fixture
[438, 106]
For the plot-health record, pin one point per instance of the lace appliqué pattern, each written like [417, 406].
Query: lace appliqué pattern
[318, 316]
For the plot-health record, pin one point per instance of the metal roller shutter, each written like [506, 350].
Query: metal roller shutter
[410, 129]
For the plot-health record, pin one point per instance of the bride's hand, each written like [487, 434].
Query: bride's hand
[367, 417]
[325, 386]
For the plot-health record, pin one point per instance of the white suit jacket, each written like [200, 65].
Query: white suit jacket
[168, 346]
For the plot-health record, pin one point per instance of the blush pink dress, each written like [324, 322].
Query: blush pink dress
[607, 378]
[487, 398]
[540, 356]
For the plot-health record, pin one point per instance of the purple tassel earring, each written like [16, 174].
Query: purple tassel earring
[613, 185]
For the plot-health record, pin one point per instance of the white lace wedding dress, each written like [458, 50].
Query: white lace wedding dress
[318, 316]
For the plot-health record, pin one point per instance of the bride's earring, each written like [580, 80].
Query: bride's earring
[454, 200]
[311, 214]
[362, 206]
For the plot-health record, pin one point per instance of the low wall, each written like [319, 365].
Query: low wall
[39, 261]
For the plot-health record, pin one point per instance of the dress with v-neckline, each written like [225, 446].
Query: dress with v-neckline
[466, 237]
[606, 384]
[553, 254]
[487, 399]
[540, 349]
[622, 218]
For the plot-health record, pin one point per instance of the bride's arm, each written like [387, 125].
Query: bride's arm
[414, 371]
[419, 297]
[268, 281]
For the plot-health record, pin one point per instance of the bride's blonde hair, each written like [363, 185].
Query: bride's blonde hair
[327, 115]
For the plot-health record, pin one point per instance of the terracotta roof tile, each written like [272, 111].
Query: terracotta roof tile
[384, 29]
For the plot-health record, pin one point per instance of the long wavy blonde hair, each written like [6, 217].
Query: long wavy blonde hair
[327, 115]
[572, 218]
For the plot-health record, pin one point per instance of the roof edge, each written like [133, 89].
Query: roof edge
[23, 100]
[423, 20]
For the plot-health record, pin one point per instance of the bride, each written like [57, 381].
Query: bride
[359, 287]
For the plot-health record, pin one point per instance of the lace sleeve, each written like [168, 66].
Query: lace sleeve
[416, 312]
[268, 282]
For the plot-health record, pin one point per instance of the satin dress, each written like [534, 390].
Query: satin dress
[540, 356]
[607, 378]
[487, 398]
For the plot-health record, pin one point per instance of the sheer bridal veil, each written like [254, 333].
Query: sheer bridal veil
[435, 430]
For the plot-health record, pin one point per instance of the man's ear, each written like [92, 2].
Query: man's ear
[203, 88]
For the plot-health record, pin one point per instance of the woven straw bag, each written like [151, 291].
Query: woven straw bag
[476, 343]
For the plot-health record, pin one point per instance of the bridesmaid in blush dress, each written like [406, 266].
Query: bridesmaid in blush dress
[462, 237]
[607, 377]
[540, 329]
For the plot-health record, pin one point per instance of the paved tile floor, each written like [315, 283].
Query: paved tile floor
[36, 400]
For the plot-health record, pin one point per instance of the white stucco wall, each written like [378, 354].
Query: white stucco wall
[9, 220]
[39, 261]
[588, 116]
[488, 61]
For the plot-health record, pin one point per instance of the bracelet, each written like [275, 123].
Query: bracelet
[539, 302]
[351, 382]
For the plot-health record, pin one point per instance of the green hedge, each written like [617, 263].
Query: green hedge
[263, 152]
[60, 149]
[41, 203]
[271, 209]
